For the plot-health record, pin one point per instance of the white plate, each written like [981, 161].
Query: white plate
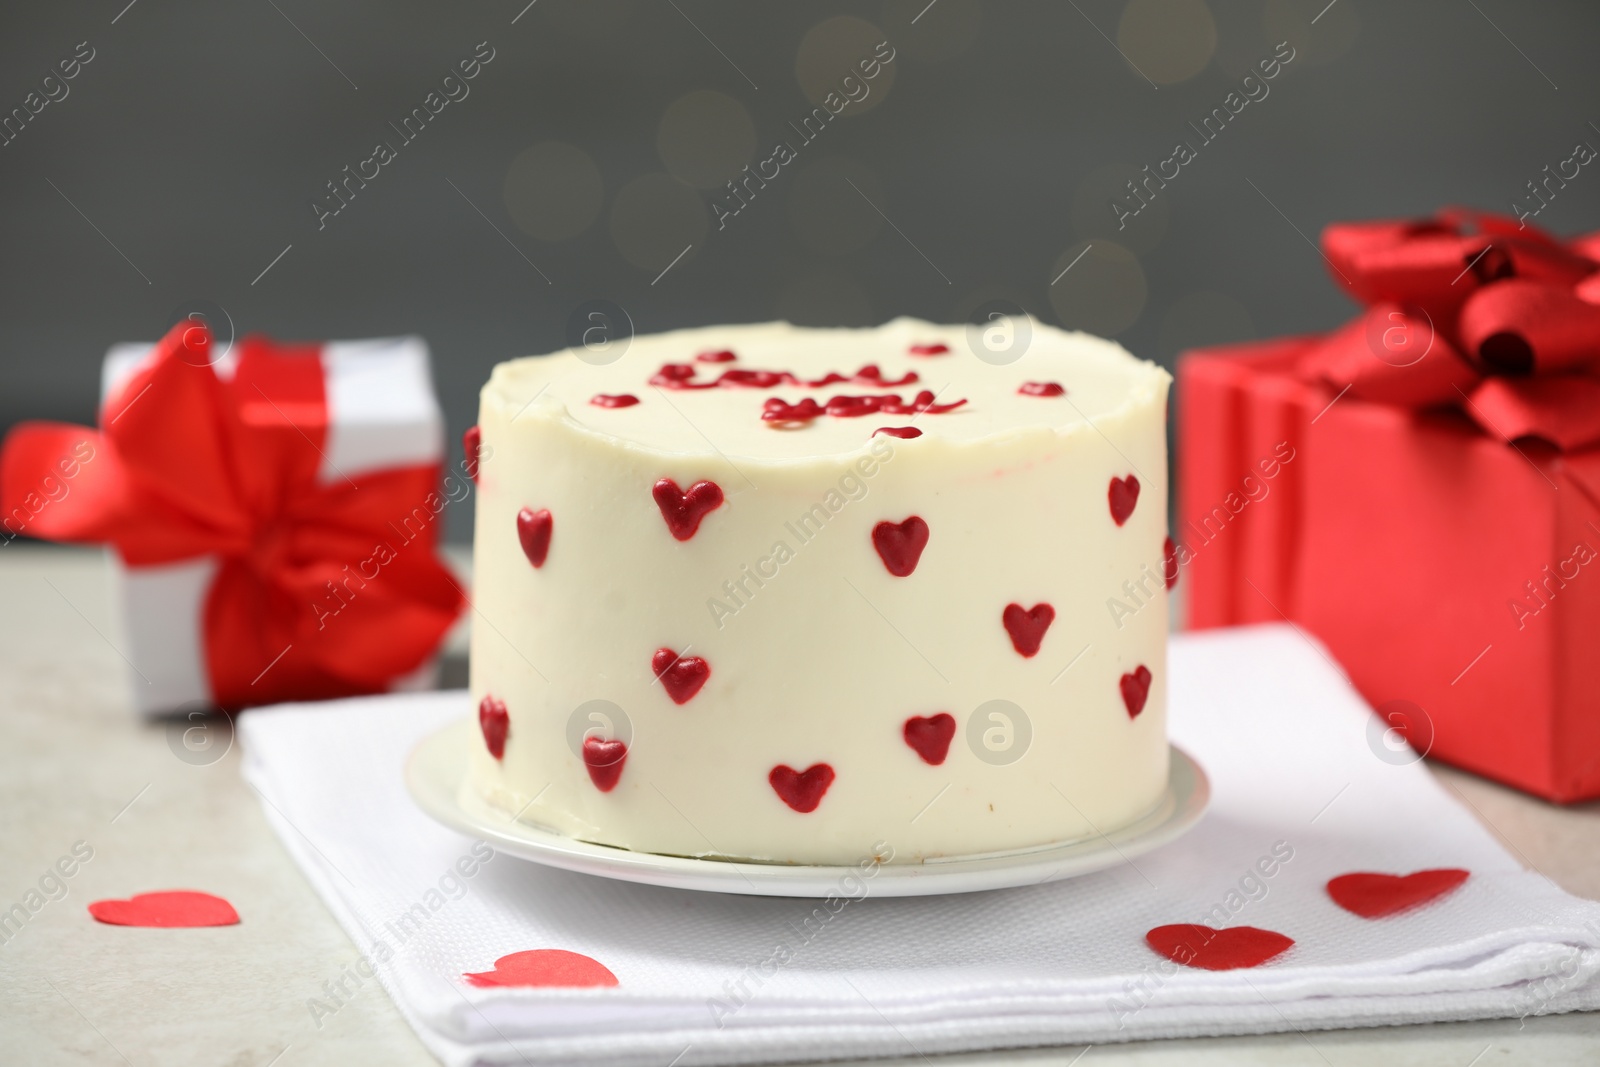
[437, 766]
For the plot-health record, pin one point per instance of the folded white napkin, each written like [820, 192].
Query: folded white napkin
[701, 981]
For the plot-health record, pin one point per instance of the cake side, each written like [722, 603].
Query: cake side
[902, 642]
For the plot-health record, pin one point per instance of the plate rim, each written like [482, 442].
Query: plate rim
[434, 788]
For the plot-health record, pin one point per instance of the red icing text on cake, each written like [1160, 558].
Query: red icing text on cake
[850, 407]
[682, 376]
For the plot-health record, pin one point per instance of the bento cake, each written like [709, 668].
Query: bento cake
[800, 595]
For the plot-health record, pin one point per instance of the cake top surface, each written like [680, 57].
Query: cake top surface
[777, 391]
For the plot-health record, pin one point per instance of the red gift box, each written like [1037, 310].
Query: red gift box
[1420, 490]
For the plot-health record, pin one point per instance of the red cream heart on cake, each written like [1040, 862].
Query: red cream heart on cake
[1194, 945]
[801, 790]
[1041, 389]
[1136, 690]
[472, 444]
[613, 400]
[1372, 896]
[1123, 494]
[533, 530]
[929, 350]
[604, 760]
[723, 356]
[495, 724]
[681, 676]
[1027, 627]
[900, 544]
[930, 736]
[684, 510]
[545, 967]
[905, 433]
[170, 909]
[1169, 562]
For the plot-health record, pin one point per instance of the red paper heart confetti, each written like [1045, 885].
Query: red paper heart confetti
[169, 909]
[930, 736]
[472, 444]
[1123, 494]
[604, 760]
[533, 530]
[1373, 896]
[801, 790]
[545, 967]
[900, 544]
[495, 724]
[1194, 945]
[1042, 389]
[905, 433]
[1169, 562]
[1136, 690]
[1027, 627]
[681, 676]
[684, 510]
[929, 350]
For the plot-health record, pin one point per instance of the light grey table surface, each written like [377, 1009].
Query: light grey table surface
[76, 765]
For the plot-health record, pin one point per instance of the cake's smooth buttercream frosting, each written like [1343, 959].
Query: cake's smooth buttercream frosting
[812, 596]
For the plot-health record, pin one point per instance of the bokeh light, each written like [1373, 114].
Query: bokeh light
[1103, 292]
[1168, 40]
[833, 50]
[705, 137]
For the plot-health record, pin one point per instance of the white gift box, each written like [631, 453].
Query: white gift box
[382, 413]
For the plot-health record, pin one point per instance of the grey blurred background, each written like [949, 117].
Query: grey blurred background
[180, 168]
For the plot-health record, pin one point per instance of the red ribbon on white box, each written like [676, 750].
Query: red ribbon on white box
[275, 510]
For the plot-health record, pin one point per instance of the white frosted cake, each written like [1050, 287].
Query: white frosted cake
[810, 596]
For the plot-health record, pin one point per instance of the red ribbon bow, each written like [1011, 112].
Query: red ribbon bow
[323, 589]
[1475, 311]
